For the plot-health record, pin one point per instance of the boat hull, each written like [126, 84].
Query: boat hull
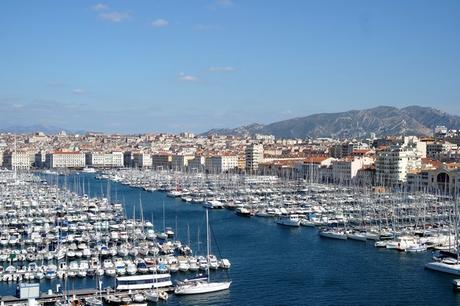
[357, 237]
[291, 223]
[333, 235]
[443, 267]
[201, 288]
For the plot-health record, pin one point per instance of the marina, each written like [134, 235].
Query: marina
[254, 259]
[229, 152]
[408, 222]
[52, 233]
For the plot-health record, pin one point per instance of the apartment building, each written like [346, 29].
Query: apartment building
[141, 160]
[105, 160]
[221, 163]
[254, 154]
[179, 162]
[394, 163]
[344, 171]
[161, 161]
[197, 164]
[17, 160]
[440, 149]
[65, 159]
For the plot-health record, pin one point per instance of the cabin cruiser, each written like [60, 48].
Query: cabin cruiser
[242, 211]
[289, 220]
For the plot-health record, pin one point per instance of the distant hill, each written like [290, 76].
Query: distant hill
[382, 120]
[47, 129]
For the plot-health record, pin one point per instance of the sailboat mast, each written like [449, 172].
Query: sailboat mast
[164, 222]
[13, 165]
[207, 241]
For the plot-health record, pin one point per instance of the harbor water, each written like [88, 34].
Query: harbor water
[272, 264]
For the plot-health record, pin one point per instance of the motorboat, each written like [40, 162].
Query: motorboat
[289, 220]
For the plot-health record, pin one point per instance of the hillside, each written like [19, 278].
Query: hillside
[382, 120]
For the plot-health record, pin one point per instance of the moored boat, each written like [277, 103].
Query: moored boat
[289, 220]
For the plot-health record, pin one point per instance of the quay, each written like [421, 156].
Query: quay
[50, 298]
[47, 298]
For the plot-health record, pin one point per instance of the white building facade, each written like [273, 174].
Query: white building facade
[20, 160]
[64, 159]
[221, 163]
[104, 160]
[254, 155]
[141, 160]
[394, 163]
[345, 170]
[179, 162]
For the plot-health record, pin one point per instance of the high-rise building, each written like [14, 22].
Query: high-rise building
[254, 154]
[393, 164]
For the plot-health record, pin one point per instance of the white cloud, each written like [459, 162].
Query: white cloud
[221, 69]
[187, 77]
[79, 91]
[115, 16]
[224, 3]
[100, 7]
[160, 23]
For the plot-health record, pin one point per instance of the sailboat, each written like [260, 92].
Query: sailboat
[164, 234]
[201, 283]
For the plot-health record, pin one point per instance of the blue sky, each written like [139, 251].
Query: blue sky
[192, 65]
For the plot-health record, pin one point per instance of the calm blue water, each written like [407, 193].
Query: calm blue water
[275, 265]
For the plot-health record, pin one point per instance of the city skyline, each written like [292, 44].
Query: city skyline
[118, 66]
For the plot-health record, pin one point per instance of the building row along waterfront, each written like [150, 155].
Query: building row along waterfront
[393, 161]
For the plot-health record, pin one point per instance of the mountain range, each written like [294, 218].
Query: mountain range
[381, 120]
[21, 129]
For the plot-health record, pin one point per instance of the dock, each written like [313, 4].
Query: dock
[46, 298]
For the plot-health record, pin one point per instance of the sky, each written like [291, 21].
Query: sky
[192, 65]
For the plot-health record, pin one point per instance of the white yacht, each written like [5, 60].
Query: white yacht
[446, 266]
[334, 234]
[201, 284]
[183, 264]
[213, 204]
[360, 236]
[401, 243]
[289, 220]
[148, 281]
[242, 211]
[193, 264]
